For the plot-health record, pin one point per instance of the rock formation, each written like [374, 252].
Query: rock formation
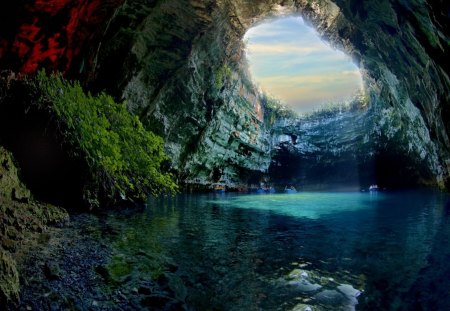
[181, 67]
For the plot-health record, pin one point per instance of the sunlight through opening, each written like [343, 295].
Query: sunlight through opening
[289, 61]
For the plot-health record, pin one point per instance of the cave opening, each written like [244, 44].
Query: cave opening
[319, 148]
[289, 60]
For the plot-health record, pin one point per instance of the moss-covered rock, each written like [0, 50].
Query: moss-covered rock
[19, 214]
[9, 279]
[11, 188]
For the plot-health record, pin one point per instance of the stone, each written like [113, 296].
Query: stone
[302, 307]
[298, 273]
[305, 286]
[330, 297]
[9, 279]
[348, 290]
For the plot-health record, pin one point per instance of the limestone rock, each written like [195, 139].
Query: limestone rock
[181, 67]
[9, 279]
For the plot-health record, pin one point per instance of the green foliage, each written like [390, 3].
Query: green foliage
[274, 109]
[360, 101]
[122, 155]
[222, 74]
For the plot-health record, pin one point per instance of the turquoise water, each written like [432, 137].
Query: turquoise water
[325, 251]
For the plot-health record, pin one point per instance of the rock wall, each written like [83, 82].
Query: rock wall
[19, 214]
[346, 147]
[180, 65]
[400, 46]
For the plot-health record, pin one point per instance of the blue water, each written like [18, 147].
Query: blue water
[291, 251]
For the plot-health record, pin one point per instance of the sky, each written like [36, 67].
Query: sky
[289, 61]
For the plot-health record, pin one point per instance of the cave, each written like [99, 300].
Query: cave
[398, 47]
[181, 70]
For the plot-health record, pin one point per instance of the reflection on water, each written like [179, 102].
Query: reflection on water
[311, 205]
[323, 251]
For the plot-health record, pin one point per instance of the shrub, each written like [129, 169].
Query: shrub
[124, 158]
[222, 74]
[274, 109]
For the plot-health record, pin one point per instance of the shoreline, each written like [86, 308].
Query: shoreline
[68, 268]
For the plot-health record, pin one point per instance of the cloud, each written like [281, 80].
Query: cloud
[282, 49]
[289, 60]
[311, 91]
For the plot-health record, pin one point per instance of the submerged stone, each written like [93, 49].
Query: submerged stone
[349, 291]
[330, 297]
[305, 286]
[302, 307]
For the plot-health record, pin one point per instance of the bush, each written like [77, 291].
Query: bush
[124, 158]
[275, 110]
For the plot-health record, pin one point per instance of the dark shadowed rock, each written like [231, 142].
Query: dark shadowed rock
[52, 270]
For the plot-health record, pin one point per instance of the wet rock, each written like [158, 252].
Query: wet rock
[300, 273]
[302, 307]
[348, 290]
[330, 297]
[324, 281]
[305, 286]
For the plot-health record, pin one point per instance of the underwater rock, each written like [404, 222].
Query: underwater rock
[348, 290]
[305, 286]
[330, 297]
[301, 274]
[302, 307]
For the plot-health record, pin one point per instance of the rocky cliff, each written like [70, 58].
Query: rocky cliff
[345, 147]
[180, 65]
[19, 214]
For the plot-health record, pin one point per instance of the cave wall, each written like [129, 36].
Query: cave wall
[342, 148]
[180, 66]
[400, 45]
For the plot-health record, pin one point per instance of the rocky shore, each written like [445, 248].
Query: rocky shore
[20, 215]
[68, 269]
[50, 263]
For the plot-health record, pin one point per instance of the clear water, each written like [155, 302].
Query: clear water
[252, 252]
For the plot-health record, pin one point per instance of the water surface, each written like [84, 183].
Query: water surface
[329, 251]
